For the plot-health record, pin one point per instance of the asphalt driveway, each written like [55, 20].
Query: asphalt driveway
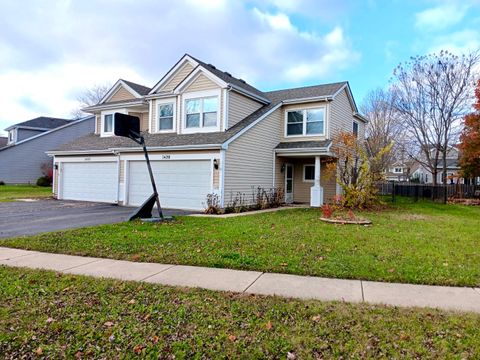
[28, 218]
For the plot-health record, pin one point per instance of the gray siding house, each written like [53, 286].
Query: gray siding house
[21, 159]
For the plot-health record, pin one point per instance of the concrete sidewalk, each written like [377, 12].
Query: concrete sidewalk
[252, 282]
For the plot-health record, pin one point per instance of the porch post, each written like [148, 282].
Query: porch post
[316, 191]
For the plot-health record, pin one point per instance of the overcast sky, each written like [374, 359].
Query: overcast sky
[51, 50]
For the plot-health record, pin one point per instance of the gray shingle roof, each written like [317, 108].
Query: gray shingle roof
[228, 78]
[43, 122]
[141, 89]
[303, 144]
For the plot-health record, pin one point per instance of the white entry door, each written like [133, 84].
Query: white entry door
[89, 181]
[181, 184]
[288, 183]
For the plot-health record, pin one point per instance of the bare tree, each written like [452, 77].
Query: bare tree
[383, 128]
[433, 93]
[89, 97]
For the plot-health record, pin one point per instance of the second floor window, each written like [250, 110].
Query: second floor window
[201, 112]
[108, 123]
[165, 117]
[306, 122]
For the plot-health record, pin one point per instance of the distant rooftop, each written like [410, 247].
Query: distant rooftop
[42, 122]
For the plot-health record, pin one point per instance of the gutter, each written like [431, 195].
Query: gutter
[309, 99]
[136, 149]
[249, 94]
[114, 106]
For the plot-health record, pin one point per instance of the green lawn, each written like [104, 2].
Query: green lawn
[44, 314]
[413, 243]
[12, 192]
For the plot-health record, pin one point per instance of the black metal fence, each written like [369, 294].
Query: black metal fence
[427, 191]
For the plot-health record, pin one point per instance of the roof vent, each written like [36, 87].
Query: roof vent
[227, 73]
[212, 66]
[243, 81]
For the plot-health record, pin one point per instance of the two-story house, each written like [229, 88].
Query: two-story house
[24, 154]
[209, 132]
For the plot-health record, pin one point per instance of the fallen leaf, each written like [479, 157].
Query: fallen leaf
[316, 318]
[108, 324]
[232, 338]
[146, 317]
[138, 349]
[133, 301]
[283, 264]
[268, 325]
[78, 354]
[39, 351]
[50, 320]
[391, 270]
[155, 339]
[111, 338]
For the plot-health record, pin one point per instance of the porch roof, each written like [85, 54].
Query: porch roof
[302, 148]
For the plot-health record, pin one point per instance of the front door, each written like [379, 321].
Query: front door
[288, 183]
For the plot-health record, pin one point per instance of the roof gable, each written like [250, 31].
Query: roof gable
[135, 90]
[175, 75]
[199, 74]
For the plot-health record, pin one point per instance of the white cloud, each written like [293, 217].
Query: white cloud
[442, 16]
[459, 42]
[56, 48]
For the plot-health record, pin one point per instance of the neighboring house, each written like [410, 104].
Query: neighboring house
[398, 171]
[33, 127]
[424, 175]
[209, 132]
[22, 158]
[3, 141]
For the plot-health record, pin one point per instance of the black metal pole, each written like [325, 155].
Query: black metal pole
[152, 179]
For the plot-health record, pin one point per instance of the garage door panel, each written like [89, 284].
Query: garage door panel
[181, 184]
[95, 181]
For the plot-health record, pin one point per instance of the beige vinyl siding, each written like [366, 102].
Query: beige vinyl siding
[177, 78]
[216, 177]
[98, 124]
[342, 116]
[302, 107]
[121, 94]
[143, 120]
[249, 159]
[239, 107]
[201, 83]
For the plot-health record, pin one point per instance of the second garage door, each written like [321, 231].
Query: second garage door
[181, 184]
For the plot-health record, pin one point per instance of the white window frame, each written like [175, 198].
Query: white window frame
[304, 173]
[200, 95]
[13, 134]
[174, 125]
[304, 127]
[102, 122]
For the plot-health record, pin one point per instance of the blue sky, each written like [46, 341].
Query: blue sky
[51, 50]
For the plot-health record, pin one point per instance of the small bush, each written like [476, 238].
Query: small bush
[213, 205]
[2, 182]
[44, 181]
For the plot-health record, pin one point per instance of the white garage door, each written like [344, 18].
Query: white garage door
[95, 181]
[181, 184]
